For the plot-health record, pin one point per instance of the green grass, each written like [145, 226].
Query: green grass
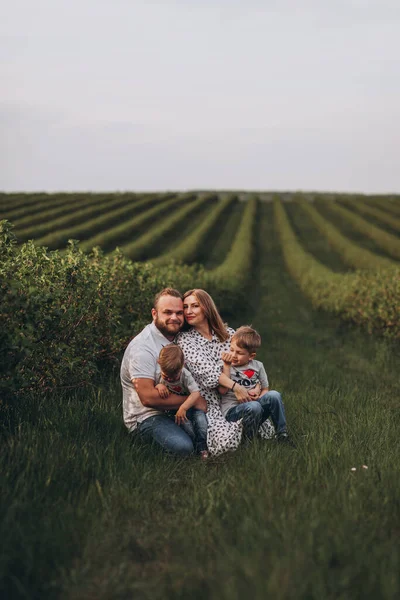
[89, 513]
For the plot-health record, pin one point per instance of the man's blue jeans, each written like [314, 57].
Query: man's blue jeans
[257, 411]
[180, 440]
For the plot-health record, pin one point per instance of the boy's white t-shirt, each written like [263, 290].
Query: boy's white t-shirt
[248, 376]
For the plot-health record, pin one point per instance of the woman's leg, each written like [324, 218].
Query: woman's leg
[163, 431]
[252, 415]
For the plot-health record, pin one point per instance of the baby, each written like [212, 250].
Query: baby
[174, 378]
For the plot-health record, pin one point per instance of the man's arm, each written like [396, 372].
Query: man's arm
[150, 397]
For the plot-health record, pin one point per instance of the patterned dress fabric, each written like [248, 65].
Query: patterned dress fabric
[203, 360]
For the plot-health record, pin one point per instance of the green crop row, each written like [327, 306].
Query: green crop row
[373, 211]
[385, 211]
[115, 235]
[58, 204]
[353, 255]
[103, 221]
[368, 298]
[386, 241]
[139, 248]
[234, 271]
[190, 247]
[23, 201]
[390, 203]
[73, 216]
[48, 215]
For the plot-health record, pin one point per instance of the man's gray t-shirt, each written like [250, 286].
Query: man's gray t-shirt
[183, 386]
[248, 376]
[140, 362]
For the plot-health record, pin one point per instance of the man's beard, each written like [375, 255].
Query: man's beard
[163, 328]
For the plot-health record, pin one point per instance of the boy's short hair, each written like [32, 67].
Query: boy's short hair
[247, 338]
[171, 359]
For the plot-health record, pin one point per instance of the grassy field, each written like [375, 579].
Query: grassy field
[90, 513]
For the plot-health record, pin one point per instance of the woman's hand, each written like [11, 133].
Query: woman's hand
[241, 394]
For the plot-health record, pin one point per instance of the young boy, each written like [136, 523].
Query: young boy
[240, 365]
[174, 378]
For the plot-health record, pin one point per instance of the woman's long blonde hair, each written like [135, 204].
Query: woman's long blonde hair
[211, 313]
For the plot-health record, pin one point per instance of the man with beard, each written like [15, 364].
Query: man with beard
[143, 408]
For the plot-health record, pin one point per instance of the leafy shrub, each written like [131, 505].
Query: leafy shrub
[368, 298]
[63, 316]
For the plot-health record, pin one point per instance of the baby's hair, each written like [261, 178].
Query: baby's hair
[171, 359]
[247, 338]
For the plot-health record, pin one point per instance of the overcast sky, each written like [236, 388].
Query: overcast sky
[210, 94]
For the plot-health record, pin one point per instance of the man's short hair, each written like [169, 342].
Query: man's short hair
[171, 360]
[166, 292]
[247, 338]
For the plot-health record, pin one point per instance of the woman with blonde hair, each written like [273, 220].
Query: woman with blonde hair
[203, 342]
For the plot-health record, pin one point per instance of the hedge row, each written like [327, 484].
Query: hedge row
[373, 211]
[102, 220]
[368, 298]
[188, 249]
[116, 235]
[234, 272]
[139, 248]
[65, 317]
[22, 203]
[387, 203]
[386, 241]
[352, 255]
[42, 211]
[49, 221]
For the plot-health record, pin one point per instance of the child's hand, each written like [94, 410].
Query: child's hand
[226, 357]
[180, 416]
[255, 392]
[162, 390]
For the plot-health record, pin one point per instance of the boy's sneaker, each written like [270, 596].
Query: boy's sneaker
[283, 438]
[204, 455]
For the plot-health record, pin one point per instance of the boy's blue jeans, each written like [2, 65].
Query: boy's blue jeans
[180, 440]
[257, 411]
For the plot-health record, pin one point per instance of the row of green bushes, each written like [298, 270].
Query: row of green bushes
[188, 249]
[138, 249]
[61, 231]
[368, 298]
[115, 235]
[58, 218]
[39, 224]
[64, 317]
[373, 211]
[386, 241]
[17, 213]
[13, 206]
[234, 272]
[389, 204]
[352, 255]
